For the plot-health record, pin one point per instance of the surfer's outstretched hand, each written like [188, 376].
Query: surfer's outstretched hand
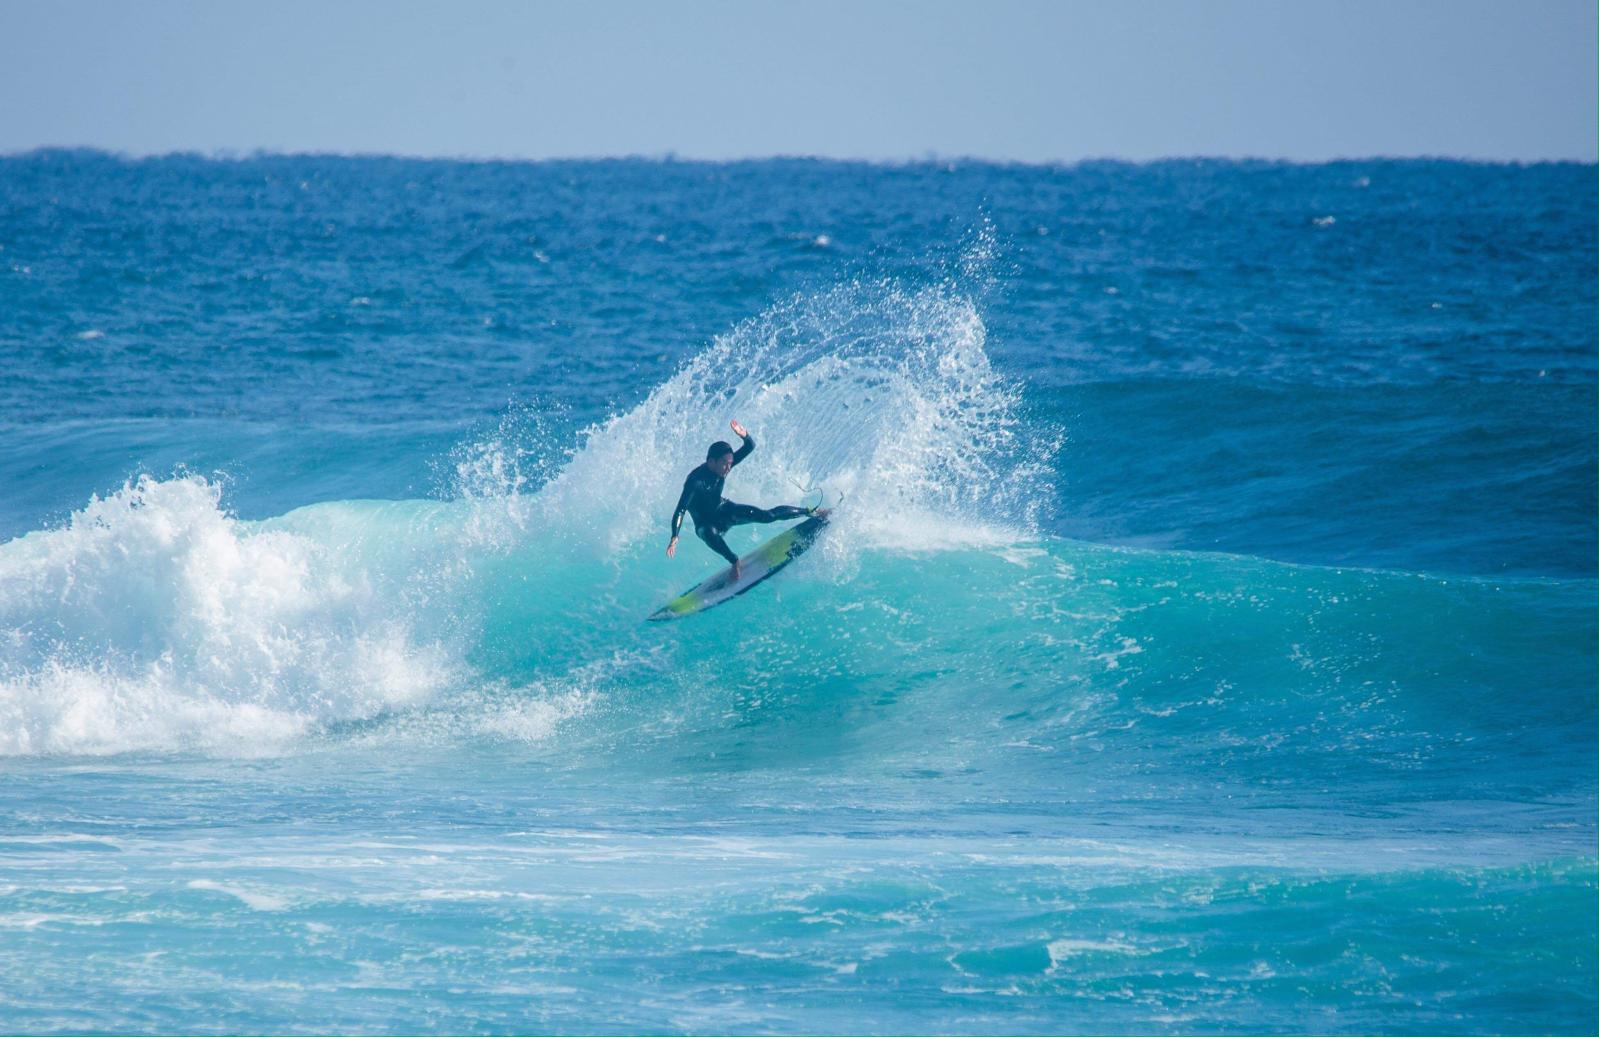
[742, 433]
[671, 549]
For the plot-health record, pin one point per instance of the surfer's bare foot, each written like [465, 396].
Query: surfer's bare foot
[736, 573]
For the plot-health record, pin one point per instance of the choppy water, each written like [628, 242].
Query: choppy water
[1207, 642]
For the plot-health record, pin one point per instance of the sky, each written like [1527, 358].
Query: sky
[1048, 81]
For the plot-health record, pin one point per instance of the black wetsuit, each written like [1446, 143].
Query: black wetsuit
[714, 515]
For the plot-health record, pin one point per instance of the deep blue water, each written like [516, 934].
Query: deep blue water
[1206, 641]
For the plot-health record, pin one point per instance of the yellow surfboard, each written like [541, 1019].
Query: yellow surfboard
[753, 568]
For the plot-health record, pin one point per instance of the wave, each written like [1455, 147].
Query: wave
[934, 623]
[155, 622]
[153, 619]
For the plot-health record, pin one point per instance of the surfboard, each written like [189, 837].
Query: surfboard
[754, 567]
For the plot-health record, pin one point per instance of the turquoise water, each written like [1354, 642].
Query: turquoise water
[1206, 642]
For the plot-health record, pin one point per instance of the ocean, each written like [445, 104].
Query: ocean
[1204, 642]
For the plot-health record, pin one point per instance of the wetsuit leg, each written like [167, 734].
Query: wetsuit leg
[713, 540]
[731, 514]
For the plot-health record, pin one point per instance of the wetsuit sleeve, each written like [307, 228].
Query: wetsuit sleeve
[744, 451]
[682, 505]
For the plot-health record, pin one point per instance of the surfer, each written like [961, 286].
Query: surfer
[713, 514]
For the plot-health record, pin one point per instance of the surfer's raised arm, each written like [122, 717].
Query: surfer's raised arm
[748, 446]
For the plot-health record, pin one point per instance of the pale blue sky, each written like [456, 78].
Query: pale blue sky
[1032, 81]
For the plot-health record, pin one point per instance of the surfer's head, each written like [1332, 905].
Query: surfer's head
[720, 457]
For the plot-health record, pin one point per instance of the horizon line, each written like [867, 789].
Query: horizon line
[673, 157]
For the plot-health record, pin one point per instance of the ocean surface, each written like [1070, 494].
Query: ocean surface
[1205, 642]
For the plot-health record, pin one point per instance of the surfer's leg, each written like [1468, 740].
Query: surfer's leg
[713, 540]
[742, 514]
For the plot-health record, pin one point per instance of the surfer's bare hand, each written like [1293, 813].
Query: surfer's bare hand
[742, 434]
[671, 549]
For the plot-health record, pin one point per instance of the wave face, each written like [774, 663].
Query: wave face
[1177, 660]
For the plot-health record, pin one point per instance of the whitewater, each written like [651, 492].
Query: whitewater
[1205, 643]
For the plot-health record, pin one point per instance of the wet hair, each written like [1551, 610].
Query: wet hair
[717, 449]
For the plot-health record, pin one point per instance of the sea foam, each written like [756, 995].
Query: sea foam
[154, 620]
[881, 396]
